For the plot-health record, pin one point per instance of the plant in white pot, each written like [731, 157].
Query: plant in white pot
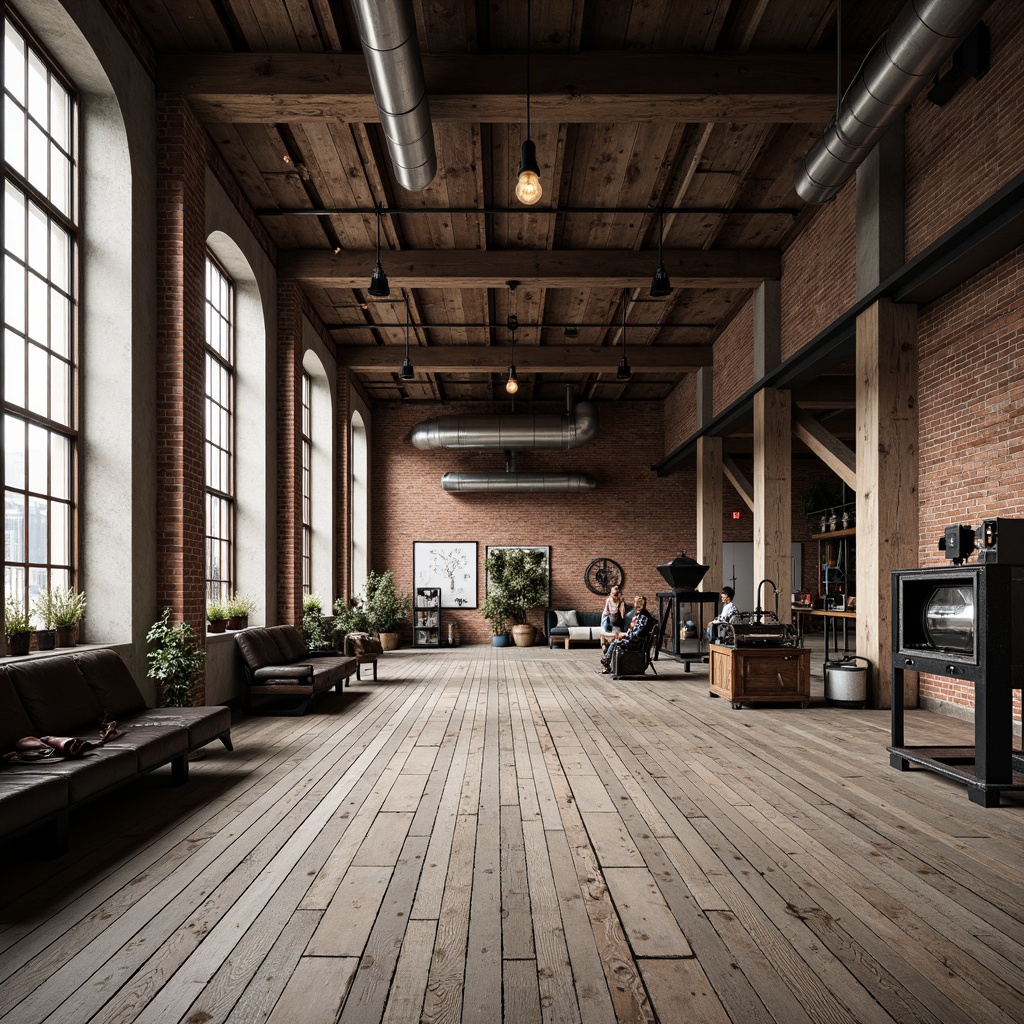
[519, 578]
[386, 609]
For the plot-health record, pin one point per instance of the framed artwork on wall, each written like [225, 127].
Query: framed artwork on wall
[545, 550]
[449, 565]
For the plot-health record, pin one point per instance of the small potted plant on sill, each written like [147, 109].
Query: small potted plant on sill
[386, 609]
[18, 626]
[175, 661]
[216, 616]
[68, 608]
[239, 608]
[46, 638]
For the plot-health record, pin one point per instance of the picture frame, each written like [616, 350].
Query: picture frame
[450, 566]
[544, 548]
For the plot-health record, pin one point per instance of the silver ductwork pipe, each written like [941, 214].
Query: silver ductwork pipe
[511, 433]
[924, 34]
[388, 33]
[517, 483]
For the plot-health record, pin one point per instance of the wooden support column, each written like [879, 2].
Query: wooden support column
[887, 473]
[709, 485]
[772, 501]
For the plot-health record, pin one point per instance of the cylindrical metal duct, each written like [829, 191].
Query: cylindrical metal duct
[388, 34]
[917, 43]
[503, 483]
[512, 433]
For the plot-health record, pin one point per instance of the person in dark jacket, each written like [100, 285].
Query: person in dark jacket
[633, 639]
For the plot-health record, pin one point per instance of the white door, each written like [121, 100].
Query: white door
[738, 573]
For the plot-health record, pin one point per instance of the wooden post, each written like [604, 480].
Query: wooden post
[772, 500]
[887, 471]
[709, 484]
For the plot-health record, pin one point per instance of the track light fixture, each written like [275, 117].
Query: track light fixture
[660, 284]
[406, 373]
[528, 188]
[624, 373]
[379, 287]
[512, 384]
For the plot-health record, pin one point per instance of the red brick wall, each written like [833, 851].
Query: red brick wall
[680, 419]
[289, 452]
[633, 516]
[734, 358]
[959, 154]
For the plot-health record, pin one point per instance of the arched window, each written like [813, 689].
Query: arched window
[360, 499]
[307, 489]
[318, 473]
[40, 256]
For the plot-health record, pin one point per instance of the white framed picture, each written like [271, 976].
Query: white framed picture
[449, 566]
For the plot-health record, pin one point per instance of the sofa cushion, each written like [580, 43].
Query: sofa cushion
[14, 720]
[290, 641]
[202, 724]
[259, 648]
[25, 799]
[95, 771]
[566, 618]
[153, 745]
[110, 680]
[584, 632]
[56, 696]
[588, 618]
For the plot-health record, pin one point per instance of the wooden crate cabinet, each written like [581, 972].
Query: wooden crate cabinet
[756, 675]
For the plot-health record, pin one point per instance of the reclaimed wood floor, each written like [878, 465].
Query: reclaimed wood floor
[507, 836]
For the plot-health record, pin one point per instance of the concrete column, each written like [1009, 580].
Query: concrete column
[881, 231]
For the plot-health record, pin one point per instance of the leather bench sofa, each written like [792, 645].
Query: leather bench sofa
[278, 664]
[71, 695]
[587, 628]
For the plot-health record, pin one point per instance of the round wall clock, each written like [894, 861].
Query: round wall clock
[602, 574]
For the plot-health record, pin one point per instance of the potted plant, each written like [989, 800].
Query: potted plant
[46, 638]
[18, 626]
[815, 501]
[175, 661]
[496, 613]
[239, 608]
[315, 629]
[386, 609]
[68, 607]
[520, 579]
[216, 616]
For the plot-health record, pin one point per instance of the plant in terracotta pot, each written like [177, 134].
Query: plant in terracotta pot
[216, 616]
[46, 638]
[386, 609]
[18, 626]
[239, 608]
[68, 608]
[520, 577]
[175, 661]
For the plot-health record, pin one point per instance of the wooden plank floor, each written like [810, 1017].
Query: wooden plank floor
[506, 835]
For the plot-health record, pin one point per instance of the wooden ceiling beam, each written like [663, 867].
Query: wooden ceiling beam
[528, 358]
[578, 88]
[474, 268]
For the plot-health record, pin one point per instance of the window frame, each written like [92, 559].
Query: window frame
[306, 469]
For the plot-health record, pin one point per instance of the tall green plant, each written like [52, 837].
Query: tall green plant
[386, 609]
[175, 660]
[518, 581]
[315, 628]
[348, 618]
[67, 606]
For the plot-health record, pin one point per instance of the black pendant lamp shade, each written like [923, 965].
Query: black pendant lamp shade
[624, 373]
[660, 284]
[406, 373]
[379, 287]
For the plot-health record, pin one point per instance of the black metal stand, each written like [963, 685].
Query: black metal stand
[668, 611]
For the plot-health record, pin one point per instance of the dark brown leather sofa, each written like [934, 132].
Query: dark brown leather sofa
[71, 695]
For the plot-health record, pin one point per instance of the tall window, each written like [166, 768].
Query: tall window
[220, 483]
[307, 500]
[40, 251]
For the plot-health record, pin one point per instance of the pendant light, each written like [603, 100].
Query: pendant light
[406, 373]
[624, 374]
[512, 384]
[660, 284]
[379, 287]
[528, 189]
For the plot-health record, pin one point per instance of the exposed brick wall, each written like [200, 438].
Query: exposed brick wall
[959, 154]
[181, 258]
[289, 452]
[680, 419]
[734, 358]
[819, 272]
[633, 516]
[971, 415]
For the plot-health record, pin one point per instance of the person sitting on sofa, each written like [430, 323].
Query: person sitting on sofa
[633, 639]
[613, 614]
[725, 615]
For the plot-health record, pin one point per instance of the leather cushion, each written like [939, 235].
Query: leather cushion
[56, 696]
[97, 770]
[290, 640]
[201, 724]
[25, 799]
[153, 745]
[259, 648]
[111, 681]
[14, 720]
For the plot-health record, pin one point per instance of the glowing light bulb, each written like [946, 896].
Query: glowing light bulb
[528, 188]
[512, 384]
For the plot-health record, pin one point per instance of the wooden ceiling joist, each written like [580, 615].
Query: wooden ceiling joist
[581, 88]
[830, 449]
[528, 358]
[474, 268]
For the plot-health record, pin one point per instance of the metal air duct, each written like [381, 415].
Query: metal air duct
[388, 34]
[504, 483]
[511, 433]
[917, 43]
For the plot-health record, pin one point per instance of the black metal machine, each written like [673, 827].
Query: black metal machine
[683, 574]
[964, 622]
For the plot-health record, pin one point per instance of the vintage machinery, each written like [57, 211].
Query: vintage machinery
[963, 622]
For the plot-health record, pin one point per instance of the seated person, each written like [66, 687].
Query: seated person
[613, 614]
[633, 639]
[727, 613]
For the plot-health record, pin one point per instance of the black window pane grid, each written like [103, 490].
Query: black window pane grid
[307, 499]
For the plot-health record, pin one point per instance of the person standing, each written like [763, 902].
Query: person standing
[613, 615]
